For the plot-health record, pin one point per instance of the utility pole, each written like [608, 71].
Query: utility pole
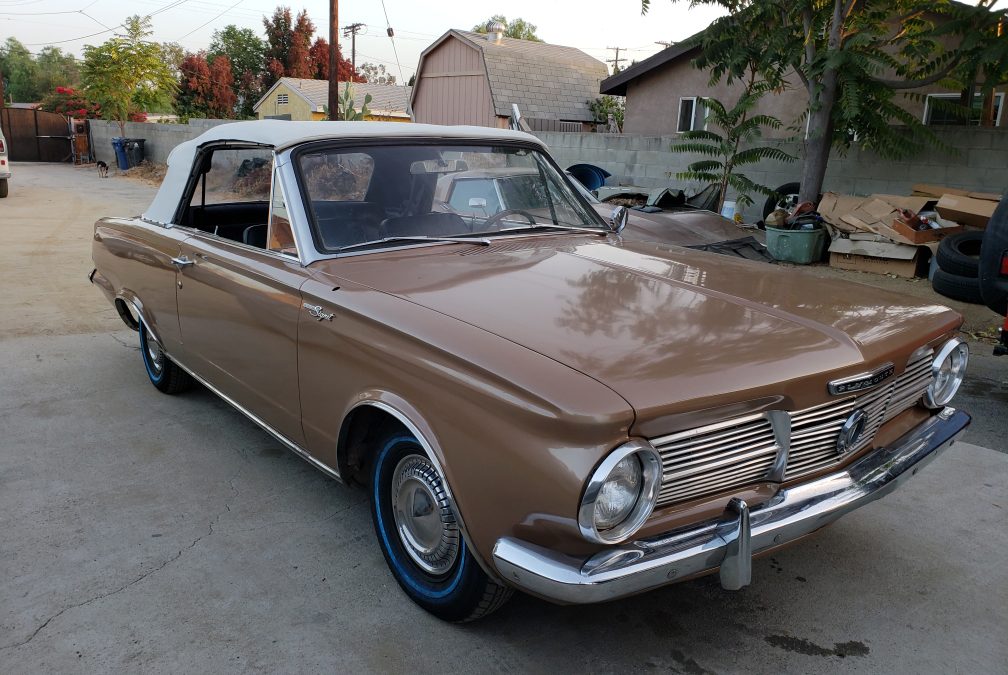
[334, 112]
[616, 61]
[351, 32]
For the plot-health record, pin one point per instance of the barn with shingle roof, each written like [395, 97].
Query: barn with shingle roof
[472, 78]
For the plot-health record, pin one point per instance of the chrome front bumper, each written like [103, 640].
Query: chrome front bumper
[730, 543]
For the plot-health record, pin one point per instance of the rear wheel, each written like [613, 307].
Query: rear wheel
[162, 371]
[420, 538]
[3, 188]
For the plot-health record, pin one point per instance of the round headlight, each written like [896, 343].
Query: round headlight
[621, 493]
[948, 370]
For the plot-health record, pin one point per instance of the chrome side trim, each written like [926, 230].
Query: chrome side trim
[289, 444]
[429, 449]
[729, 542]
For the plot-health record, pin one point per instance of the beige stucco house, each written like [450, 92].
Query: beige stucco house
[664, 95]
[472, 78]
[293, 98]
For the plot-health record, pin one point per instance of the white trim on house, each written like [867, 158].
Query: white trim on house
[692, 118]
[999, 98]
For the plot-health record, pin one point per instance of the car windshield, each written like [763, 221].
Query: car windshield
[394, 194]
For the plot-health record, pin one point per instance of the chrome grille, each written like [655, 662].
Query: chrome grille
[742, 451]
[814, 431]
[715, 457]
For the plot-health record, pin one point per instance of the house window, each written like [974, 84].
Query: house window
[692, 114]
[282, 99]
[943, 110]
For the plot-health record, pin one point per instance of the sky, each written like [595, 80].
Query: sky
[591, 25]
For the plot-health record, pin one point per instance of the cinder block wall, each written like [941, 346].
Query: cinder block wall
[975, 159]
[159, 138]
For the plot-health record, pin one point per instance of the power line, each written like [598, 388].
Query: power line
[171, 5]
[616, 61]
[351, 32]
[395, 51]
[204, 25]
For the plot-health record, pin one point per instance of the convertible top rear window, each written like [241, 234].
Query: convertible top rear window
[386, 194]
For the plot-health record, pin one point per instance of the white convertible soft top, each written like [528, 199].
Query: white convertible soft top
[281, 134]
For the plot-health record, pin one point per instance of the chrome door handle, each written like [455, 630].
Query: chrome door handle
[182, 262]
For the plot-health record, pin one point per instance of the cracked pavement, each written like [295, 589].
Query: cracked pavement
[142, 532]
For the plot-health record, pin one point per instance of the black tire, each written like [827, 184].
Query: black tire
[164, 374]
[459, 590]
[959, 254]
[785, 191]
[966, 289]
[3, 188]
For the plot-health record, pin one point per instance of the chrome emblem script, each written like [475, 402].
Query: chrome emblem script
[852, 431]
[316, 311]
[850, 385]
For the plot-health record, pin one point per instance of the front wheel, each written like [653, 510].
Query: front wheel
[420, 537]
[164, 374]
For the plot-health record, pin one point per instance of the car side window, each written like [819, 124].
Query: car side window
[280, 237]
[231, 198]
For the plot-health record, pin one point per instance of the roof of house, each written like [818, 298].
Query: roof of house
[386, 99]
[546, 81]
[617, 84]
[281, 135]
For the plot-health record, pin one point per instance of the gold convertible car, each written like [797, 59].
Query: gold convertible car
[533, 397]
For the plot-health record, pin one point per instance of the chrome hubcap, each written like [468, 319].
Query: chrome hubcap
[423, 515]
[154, 354]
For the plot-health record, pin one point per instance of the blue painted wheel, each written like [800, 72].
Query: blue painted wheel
[164, 374]
[419, 536]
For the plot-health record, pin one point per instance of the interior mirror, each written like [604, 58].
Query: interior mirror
[477, 203]
[618, 219]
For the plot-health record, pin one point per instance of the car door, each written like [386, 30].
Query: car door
[238, 307]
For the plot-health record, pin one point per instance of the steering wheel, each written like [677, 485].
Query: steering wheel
[500, 215]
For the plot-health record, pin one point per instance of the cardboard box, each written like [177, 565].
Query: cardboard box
[877, 257]
[966, 210]
[937, 191]
[987, 196]
[919, 237]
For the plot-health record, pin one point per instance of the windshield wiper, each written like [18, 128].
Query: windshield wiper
[550, 226]
[421, 238]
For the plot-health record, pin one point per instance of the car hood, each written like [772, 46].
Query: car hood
[686, 227]
[669, 329]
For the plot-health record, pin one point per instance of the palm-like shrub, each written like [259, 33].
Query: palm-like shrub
[727, 145]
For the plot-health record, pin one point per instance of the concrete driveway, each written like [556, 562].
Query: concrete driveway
[142, 532]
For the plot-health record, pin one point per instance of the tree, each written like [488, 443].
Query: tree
[206, 88]
[20, 72]
[852, 58]
[519, 29]
[374, 73]
[128, 73]
[290, 52]
[412, 80]
[724, 151]
[245, 52]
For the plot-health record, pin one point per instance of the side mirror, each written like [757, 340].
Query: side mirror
[618, 219]
[477, 203]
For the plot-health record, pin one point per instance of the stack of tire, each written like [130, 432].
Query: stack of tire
[958, 272]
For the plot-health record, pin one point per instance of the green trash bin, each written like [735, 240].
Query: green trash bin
[795, 246]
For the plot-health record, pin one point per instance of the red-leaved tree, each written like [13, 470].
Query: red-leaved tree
[205, 87]
[290, 51]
